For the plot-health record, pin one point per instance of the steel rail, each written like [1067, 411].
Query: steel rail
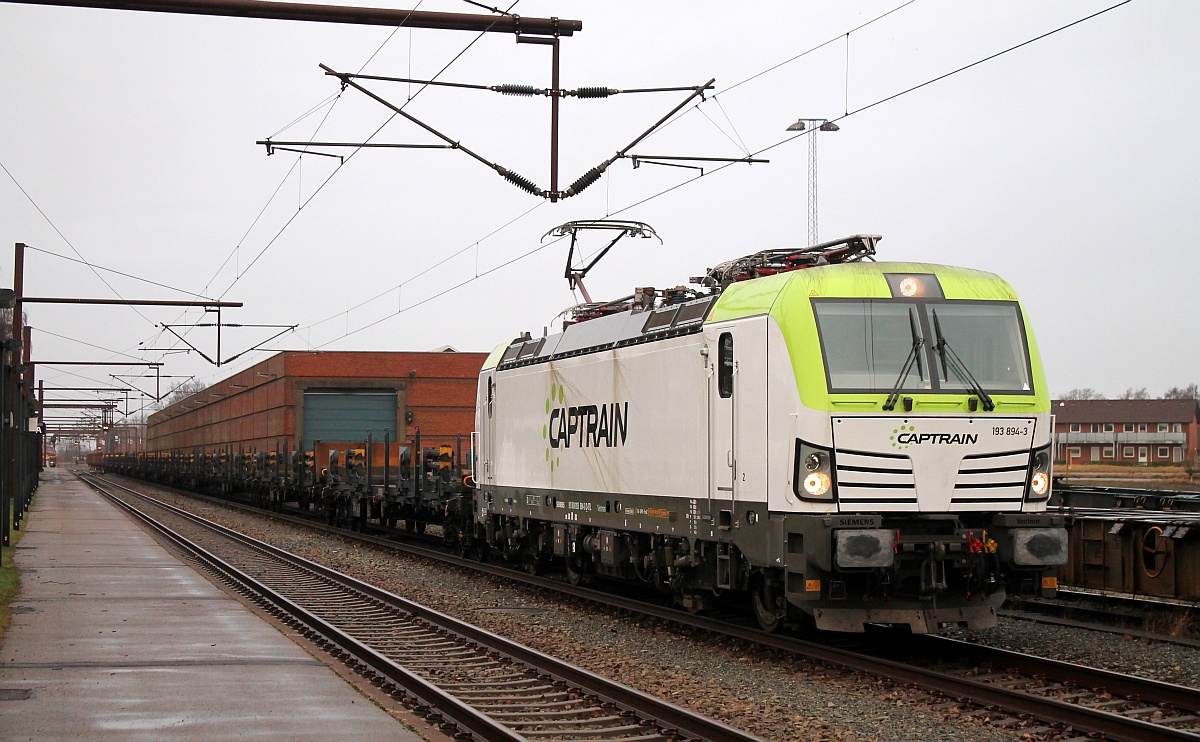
[1111, 725]
[667, 715]
[1092, 677]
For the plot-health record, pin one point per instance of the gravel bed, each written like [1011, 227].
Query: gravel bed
[1170, 663]
[738, 684]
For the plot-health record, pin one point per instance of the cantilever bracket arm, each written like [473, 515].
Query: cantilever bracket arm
[234, 357]
[184, 340]
[519, 181]
[349, 80]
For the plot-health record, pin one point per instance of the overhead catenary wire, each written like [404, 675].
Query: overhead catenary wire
[762, 150]
[716, 96]
[64, 239]
[90, 345]
[239, 273]
[435, 266]
[886, 99]
[117, 272]
[350, 156]
[444, 292]
[332, 101]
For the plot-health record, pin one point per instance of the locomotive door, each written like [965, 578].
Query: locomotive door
[721, 463]
[487, 430]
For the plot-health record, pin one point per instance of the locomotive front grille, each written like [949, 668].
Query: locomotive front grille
[991, 481]
[876, 481]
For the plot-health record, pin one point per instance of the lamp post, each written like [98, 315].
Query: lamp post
[812, 126]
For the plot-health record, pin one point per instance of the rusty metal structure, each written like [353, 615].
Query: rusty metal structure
[1134, 541]
[1144, 553]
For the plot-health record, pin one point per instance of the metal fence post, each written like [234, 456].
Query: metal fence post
[5, 464]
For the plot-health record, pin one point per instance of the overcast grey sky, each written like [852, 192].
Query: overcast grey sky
[1069, 166]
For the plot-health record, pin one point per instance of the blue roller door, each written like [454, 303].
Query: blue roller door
[348, 415]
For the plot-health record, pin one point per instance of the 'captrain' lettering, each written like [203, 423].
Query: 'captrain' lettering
[938, 438]
[589, 425]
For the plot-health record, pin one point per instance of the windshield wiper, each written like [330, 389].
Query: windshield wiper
[951, 362]
[914, 354]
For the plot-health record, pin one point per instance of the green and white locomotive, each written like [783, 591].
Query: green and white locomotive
[845, 442]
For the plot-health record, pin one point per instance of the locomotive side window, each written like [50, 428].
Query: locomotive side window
[491, 394]
[725, 365]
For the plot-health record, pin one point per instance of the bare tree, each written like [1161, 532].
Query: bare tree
[1132, 393]
[182, 392]
[1085, 393]
[1191, 391]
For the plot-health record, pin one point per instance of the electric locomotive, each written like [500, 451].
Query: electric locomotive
[845, 442]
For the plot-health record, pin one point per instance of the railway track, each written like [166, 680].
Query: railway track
[1042, 697]
[1126, 615]
[470, 681]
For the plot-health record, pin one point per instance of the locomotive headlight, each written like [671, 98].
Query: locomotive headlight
[817, 483]
[1039, 474]
[1040, 483]
[813, 477]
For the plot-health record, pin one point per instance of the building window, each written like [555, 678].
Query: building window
[1164, 428]
[1108, 427]
[1128, 427]
[1074, 452]
[1074, 427]
[1141, 427]
[1163, 452]
[1108, 452]
[1127, 452]
[1178, 427]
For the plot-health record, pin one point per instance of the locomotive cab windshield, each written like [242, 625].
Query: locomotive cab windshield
[868, 343]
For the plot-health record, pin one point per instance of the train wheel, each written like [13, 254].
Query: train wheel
[575, 571]
[769, 608]
[414, 526]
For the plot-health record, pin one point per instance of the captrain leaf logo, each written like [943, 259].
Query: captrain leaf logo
[582, 426]
[556, 399]
[900, 436]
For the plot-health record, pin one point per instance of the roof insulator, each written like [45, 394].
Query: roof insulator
[595, 92]
[524, 90]
[585, 180]
[520, 182]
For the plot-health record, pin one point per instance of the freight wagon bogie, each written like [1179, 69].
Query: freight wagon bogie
[857, 443]
[350, 490]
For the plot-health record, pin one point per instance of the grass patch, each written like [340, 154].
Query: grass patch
[1179, 622]
[10, 581]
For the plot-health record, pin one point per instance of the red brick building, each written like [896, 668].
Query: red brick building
[1127, 431]
[299, 397]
